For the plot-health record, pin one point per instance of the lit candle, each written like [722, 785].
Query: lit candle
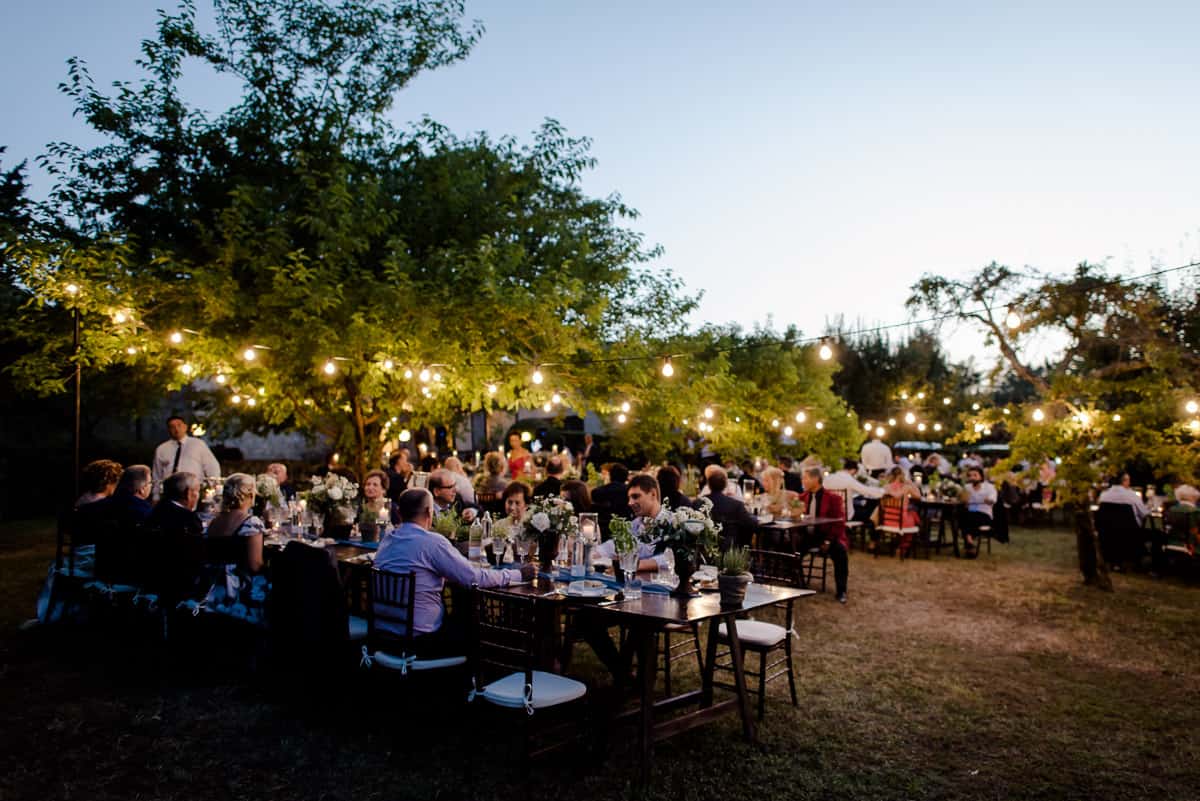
[477, 458]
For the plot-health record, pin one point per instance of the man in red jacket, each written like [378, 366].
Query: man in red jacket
[832, 536]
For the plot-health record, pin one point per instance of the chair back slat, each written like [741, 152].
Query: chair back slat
[505, 633]
[846, 505]
[391, 598]
[776, 567]
[892, 510]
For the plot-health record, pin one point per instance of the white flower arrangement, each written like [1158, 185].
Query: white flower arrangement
[331, 492]
[685, 531]
[508, 530]
[551, 513]
[267, 488]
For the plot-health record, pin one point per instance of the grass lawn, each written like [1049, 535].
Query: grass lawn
[996, 678]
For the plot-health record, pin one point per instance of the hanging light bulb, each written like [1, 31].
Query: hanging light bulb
[921, 427]
[557, 399]
[787, 431]
[801, 417]
[251, 402]
[1038, 415]
[621, 418]
[405, 435]
[546, 407]
[388, 364]
[685, 421]
[1012, 320]
[249, 354]
[1194, 425]
[235, 399]
[1192, 407]
[920, 396]
[131, 350]
[891, 421]
[625, 406]
[1007, 410]
[408, 373]
[910, 418]
[186, 369]
[425, 375]
[820, 425]
[866, 426]
[537, 376]
[330, 368]
[826, 352]
[1084, 419]
[974, 407]
[176, 337]
[491, 388]
[221, 378]
[945, 401]
[880, 431]
[775, 423]
[903, 396]
[120, 317]
[1116, 418]
[937, 426]
[262, 392]
[72, 289]
[708, 413]
[668, 369]
[437, 377]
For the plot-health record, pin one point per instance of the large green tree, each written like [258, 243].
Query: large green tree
[1114, 397]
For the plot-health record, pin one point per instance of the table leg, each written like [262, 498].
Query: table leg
[954, 533]
[710, 662]
[647, 665]
[739, 680]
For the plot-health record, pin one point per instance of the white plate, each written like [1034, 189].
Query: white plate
[587, 589]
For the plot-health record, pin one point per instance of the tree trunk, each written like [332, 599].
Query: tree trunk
[1091, 560]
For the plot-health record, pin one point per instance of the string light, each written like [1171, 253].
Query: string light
[491, 389]
[668, 369]
[1192, 407]
[537, 376]
[1194, 425]
[388, 364]
[920, 396]
[1012, 320]
[131, 350]
[1116, 418]
[249, 354]
[221, 379]
[891, 421]
[556, 399]
[921, 427]
[903, 396]
[235, 399]
[1084, 419]
[546, 407]
[425, 375]
[120, 317]
[866, 426]
[880, 431]
[937, 426]
[408, 373]
[621, 418]
[685, 421]
[775, 423]
[1007, 410]
[801, 417]
[945, 401]
[1038, 415]
[186, 369]
[405, 435]
[251, 402]
[625, 406]
[437, 377]
[330, 368]
[820, 425]
[910, 418]
[974, 407]
[826, 352]
[72, 289]
[176, 337]
[708, 413]
[787, 431]
[262, 392]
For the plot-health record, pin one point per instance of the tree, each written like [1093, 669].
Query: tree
[315, 266]
[1113, 397]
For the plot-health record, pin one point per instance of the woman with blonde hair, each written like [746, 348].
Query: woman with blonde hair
[778, 497]
[241, 591]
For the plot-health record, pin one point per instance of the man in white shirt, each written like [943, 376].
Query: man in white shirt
[644, 504]
[937, 462]
[847, 479]
[981, 497]
[876, 457]
[183, 454]
[1121, 493]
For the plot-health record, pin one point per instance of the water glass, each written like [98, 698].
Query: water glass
[633, 586]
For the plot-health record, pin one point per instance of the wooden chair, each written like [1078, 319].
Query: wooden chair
[772, 642]
[503, 671]
[854, 528]
[687, 643]
[391, 598]
[892, 512]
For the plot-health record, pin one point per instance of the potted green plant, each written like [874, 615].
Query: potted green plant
[734, 576]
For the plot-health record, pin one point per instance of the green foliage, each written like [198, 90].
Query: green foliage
[621, 531]
[735, 561]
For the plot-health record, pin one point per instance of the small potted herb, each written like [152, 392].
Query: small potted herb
[734, 576]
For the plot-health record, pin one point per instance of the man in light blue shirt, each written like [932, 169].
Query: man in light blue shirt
[413, 548]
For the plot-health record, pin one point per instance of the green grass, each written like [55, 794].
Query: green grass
[999, 678]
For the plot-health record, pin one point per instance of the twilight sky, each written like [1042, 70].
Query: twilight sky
[796, 160]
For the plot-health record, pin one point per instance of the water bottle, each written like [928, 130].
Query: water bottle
[475, 541]
[578, 566]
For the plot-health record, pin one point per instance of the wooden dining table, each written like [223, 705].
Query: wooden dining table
[644, 618]
[792, 529]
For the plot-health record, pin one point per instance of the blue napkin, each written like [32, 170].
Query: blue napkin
[370, 546]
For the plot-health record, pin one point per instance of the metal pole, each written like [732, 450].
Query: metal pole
[78, 398]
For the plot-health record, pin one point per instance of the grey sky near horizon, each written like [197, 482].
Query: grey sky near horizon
[797, 161]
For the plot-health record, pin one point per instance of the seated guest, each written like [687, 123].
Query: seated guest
[748, 474]
[175, 512]
[491, 480]
[461, 480]
[610, 499]
[413, 548]
[668, 484]
[791, 479]
[375, 505]
[847, 479]
[279, 472]
[553, 483]
[399, 472]
[829, 537]
[935, 462]
[578, 493]
[737, 524]
[128, 506]
[731, 486]
[981, 497]
[516, 498]
[242, 591]
[644, 504]
[445, 496]
[99, 480]
[1182, 518]
[779, 498]
[898, 485]
[1120, 492]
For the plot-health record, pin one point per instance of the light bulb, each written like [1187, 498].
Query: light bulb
[437, 377]
[1038, 415]
[425, 375]
[708, 413]
[120, 317]
[937, 426]
[787, 431]
[974, 407]
[221, 379]
[131, 350]
[235, 399]
[537, 376]
[249, 354]
[945, 401]
[1194, 425]
[546, 407]
[408, 373]
[176, 337]
[330, 368]
[72, 289]
[1007, 410]
[910, 418]
[621, 418]
[891, 421]
[1013, 320]
[668, 369]
[866, 426]
[251, 402]
[920, 396]
[801, 417]
[826, 352]
[186, 369]
[921, 427]
[262, 392]
[1085, 419]
[405, 435]
[903, 396]
[491, 388]
[625, 406]
[557, 399]
[820, 425]
[1192, 407]
[775, 423]
[880, 431]
[1116, 418]
[388, 364]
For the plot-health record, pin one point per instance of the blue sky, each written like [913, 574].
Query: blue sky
[797, 161]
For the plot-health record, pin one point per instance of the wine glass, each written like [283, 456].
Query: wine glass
[629, 565]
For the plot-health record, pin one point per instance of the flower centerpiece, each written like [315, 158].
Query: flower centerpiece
[267, 496]
[688, 533]
[332, 496]
[950, 489]
[550, 518]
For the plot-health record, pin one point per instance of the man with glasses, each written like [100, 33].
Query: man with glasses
[445, 496]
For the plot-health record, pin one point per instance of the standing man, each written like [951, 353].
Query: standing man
[831, 537]
[876, 457]
[183, 454]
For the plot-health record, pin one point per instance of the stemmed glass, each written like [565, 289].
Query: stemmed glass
[629, 564]
[318, 524]
[499, 548]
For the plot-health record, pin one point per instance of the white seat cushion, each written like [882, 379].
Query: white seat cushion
[358, 628]
[549, 689]
[756, 632]
[402, 664]
[899, 530]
